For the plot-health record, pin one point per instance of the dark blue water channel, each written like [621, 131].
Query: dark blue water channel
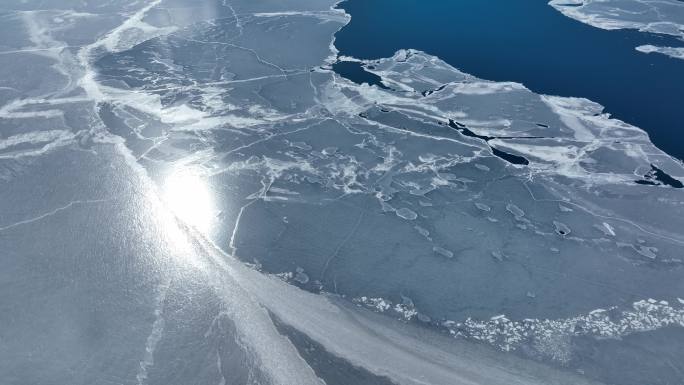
[528, 41]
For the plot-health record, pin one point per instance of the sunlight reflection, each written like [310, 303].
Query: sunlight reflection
[189, 197]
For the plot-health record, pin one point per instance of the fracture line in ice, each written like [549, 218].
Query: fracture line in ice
[238, 22]
[13, 109]
[155, 335]
[254, 52]
[678, 241]
[237, 225]
[37, 50]
[49, 140]
[112, 42]
[226, 82]
[331, 15]
[271, 137]
[346, 240]
[51, 213]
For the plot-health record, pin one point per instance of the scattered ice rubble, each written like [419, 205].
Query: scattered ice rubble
[661, 17]
[551, 337]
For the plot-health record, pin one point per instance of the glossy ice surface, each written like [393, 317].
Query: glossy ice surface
[189, 194]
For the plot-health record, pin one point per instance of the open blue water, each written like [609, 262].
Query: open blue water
[528, 41]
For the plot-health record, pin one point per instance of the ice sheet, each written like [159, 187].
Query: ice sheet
[191, 170]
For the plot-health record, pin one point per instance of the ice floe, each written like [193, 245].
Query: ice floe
[661, 17]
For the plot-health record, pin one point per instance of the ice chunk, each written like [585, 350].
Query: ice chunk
[422, 231]
[483, 207]
[498, 255]
[515, 210]
[407, 214]
[443, 252]
[565, 209]
[561, 228]
[300, 276]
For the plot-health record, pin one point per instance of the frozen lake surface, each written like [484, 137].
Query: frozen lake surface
[190, 192]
